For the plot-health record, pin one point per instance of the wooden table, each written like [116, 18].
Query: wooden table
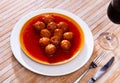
[93, 12]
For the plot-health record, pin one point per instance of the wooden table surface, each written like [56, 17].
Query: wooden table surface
[93, 12]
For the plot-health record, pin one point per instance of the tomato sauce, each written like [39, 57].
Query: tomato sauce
[30, 40]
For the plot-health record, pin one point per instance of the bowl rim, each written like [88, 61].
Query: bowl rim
[58, 11]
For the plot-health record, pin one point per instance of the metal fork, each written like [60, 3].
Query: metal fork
[93, 64]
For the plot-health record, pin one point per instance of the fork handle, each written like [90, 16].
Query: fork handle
[83, 74]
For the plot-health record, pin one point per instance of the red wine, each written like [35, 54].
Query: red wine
[114, 13]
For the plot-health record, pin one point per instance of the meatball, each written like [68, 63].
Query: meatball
[63, 26]
[48, 18]
[50, 49]
[65, 45]
[68, 36]
[45, 33]
[55, 40]
[44, 41]
[39, 26]
[52, 26]
[58, 32]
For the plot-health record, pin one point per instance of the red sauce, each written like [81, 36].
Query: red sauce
[30, 40]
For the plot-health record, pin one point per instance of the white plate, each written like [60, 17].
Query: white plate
[56, 70]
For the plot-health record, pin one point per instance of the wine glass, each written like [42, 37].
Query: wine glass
[113, 11]
[107, 40]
